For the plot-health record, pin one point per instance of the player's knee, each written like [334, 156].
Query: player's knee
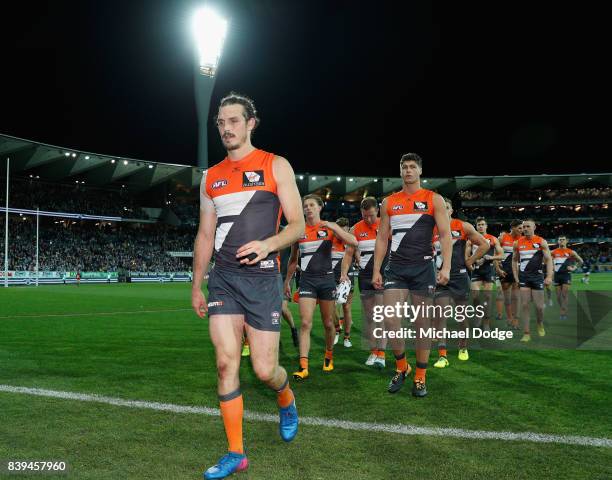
[264, 371]
[226, 367]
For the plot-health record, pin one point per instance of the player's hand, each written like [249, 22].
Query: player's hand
[253, 252]
[198, 302]
[443, 276]
[469, 263]
[344, 278]
[287, 290]
[377, 281]
[502, 274]
[547, 281]
[571, 268]
[486, 258]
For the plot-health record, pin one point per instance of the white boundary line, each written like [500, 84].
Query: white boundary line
[324, 422]
[94, 314]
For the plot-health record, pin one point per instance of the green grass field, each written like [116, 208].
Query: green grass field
[142, 342]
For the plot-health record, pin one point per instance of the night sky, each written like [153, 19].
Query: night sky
[342, 87]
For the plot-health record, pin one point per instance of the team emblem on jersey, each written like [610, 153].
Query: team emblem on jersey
[397, 207]
[420, 206]
[321, 234]
[363, 234]
[536, 245]
[219, 184]
[253, 179]
[455, 233]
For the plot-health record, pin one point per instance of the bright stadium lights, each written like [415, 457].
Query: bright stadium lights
[67, 154]
[150, 166]
[375, 180]
[209, 30]
[338, 179]
[301, 177]
[125, 162]
[73, 155]
[351, 180]
[314, 178]
[86, 157]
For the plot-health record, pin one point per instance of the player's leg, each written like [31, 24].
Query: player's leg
[393, 297]
[516, 305]
[381, 343]
[563, 298]
[264, 358]
[537, 295]
[327, 308]
[476, 286]
[307, 307]
[548, 290]
[423, 342]
[288, 317]
[226, 335]
[439, 323]
[347, 309]
[525, 293]
[507, 295]
[487, 295]
[368, 301]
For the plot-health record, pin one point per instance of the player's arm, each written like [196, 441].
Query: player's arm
[477, 239]
[579, 261]
[380, 247]
[202, 249]
[347, 259]
[515, 260]
[291, 266]
[548, 261]
[291, 204]
[499, 252]
[443, 224]
[346, 237]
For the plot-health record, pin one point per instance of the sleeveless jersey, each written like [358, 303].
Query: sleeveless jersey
[491, 240]
[316, 250]
[247, 205]
[507, 244]
[412, 222]
[458, 239]
[562, 258]
[531, 255]
[365, 234]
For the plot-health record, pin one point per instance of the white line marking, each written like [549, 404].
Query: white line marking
[93, 314]
[324, 422]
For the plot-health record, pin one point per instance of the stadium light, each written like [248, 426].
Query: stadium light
[67, 154]
[73, 155]
[113, 160]
[125, 162]
[86, 157]
[209, 30]
[150, 166]
[338, 179]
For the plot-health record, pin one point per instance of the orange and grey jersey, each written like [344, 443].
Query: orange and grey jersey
[492, 241]
[458, 239]
[365, 233]
[562, 258]
[507, 244]
[247, 205]
[338, 250]
[316, 250]
[412, 222]
[530, 255]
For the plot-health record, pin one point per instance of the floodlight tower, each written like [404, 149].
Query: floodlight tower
[209, 30]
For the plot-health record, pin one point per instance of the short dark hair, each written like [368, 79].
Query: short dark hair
[562, 236]
[515, 222]
[407, 157]
[529, 220]
[481, 219]
[247, 103]
[368, 202]
[343, 222]
[314, 197]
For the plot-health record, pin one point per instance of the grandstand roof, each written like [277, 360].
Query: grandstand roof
[66, 164]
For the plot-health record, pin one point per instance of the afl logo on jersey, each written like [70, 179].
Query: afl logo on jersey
[536, 245]
[421, 206]
[219, 184]
[363, 234]
[322, 234]
[397, 207]
[253, 179]
[455, 233]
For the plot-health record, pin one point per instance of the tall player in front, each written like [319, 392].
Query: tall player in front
[409, 217]
[241, 201]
